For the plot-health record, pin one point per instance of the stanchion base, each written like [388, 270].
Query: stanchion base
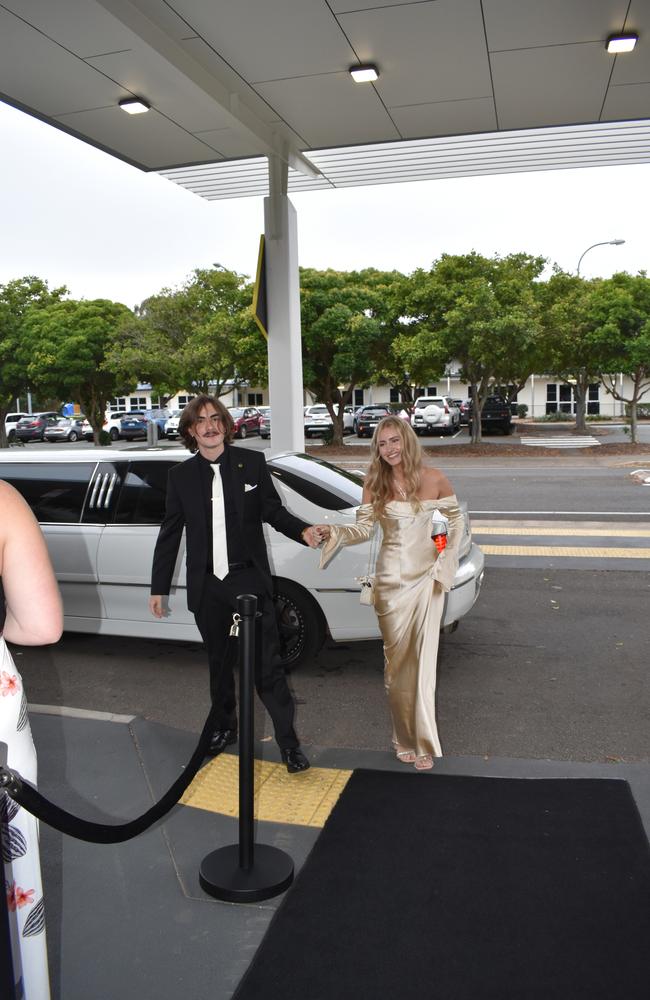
[271, 873]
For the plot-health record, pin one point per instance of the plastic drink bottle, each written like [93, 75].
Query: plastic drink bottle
[439, 531]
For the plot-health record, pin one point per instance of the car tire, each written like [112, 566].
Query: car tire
[301, 625]
[11, 436]
[114, 434]
[72, 436]
[242, 432]
[360, 434]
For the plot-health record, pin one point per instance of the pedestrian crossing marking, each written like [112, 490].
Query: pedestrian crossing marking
[573, 532]
[574, 441]
[565, 550]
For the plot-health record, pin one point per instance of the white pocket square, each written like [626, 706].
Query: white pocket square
[247, 487]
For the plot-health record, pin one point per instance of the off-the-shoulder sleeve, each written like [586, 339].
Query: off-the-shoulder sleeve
[349, 534]
[446, 565]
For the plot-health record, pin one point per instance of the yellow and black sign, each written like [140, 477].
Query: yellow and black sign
[259, 293]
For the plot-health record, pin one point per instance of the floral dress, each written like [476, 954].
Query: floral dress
[20, 854]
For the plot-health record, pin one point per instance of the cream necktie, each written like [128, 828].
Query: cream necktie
[219, 540]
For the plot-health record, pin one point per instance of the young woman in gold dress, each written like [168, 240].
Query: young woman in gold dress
[400, 495]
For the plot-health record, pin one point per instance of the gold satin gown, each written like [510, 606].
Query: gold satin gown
[411, 579]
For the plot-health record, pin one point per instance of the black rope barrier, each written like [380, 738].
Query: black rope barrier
[105, 833]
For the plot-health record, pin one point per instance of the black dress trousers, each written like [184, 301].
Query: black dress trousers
[214, 619]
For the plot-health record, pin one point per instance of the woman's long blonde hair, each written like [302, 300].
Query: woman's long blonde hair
[379, 478]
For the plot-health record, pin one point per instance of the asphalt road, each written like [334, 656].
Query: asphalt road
[552, 662]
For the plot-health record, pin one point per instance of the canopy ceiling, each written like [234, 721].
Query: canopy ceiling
[465, 86]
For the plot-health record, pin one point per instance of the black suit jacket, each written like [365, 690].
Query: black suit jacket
[185, 509]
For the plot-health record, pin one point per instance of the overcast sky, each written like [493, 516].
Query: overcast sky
[76, 216]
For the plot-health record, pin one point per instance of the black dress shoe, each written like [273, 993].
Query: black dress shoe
[221, 738]
[295, 760]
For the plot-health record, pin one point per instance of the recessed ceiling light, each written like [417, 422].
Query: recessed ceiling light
[622, 43]
[134, 105]
[364, 74]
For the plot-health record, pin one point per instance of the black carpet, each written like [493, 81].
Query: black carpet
[436, 887]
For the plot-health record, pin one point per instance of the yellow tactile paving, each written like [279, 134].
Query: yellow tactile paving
[299, 799]
[576, 532]
[565, 550]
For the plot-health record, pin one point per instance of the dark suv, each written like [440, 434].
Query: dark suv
[32, 428]
[495, 415]
[368, 418]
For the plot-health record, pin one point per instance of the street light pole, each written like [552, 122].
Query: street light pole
[605, 243]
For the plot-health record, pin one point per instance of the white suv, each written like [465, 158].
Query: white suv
[111, 424]
[435, 414]
[10, 424]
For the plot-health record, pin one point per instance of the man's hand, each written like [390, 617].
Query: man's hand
[315, 534]
[156, 605]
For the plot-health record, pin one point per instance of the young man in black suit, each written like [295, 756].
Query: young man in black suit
[247, 498]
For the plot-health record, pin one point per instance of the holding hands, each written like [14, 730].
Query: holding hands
[315, 535]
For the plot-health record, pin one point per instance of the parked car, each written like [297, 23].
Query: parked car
[100, 514]
[464, 405]
[265, 424]
[369, 416]
[495, 415]
[435, 414]
[171, 424]
[65, 429]
[247, 420]
[32, 427]
[317, 420]
[112, 424]
[159, 417]
[132, 426]
[10, 424]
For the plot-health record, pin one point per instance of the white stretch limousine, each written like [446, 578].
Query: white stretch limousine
[100, 511]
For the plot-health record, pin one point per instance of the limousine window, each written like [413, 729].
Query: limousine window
[55, 492]
[313, 492]
[142, 497]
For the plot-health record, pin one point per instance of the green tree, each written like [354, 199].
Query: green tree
[16, 298]
[619, 321]
[200, 337]
[481, 312]
[568, 352]
[66, 346]
[347, 330]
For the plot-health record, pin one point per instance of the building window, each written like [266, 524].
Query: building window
[567, 404]
[183, 401]
[551, 398]
[394, 395]
[593, 398]
[255, 398]
[119, 403]
[358, 397]
[138, 403]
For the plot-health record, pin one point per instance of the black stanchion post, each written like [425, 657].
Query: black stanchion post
[7, 984]
[246, 872]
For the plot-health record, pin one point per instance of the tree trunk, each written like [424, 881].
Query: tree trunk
[337, 427]
[580, 392]
[477, 436]
[633, 414]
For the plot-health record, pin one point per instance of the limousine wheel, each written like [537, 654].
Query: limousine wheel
[302, 632]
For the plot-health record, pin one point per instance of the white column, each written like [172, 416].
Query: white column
[286, 393]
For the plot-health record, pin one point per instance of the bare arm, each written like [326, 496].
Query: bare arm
[34, 611]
